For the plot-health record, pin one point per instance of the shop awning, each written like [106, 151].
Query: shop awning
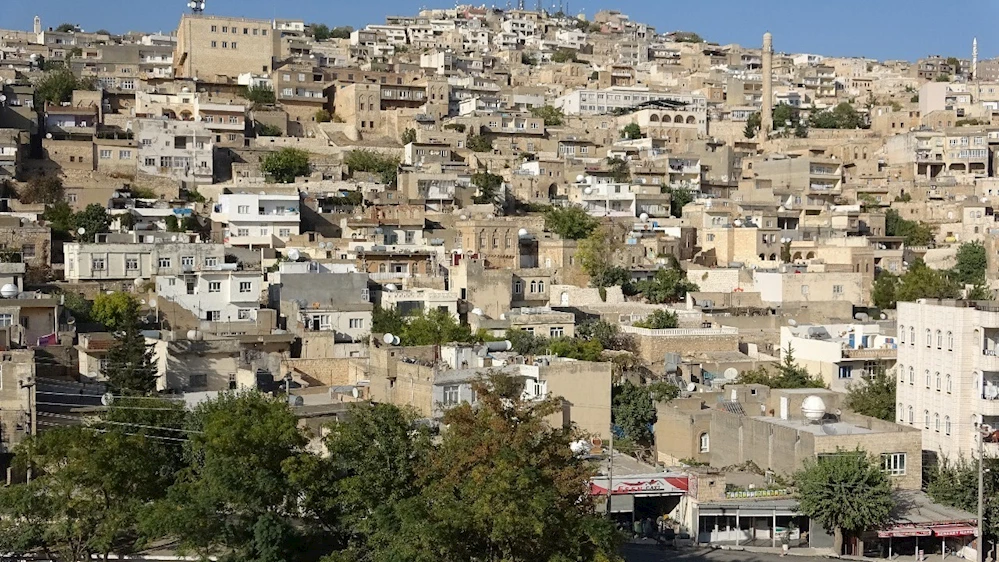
[904, 532]
[954, 531]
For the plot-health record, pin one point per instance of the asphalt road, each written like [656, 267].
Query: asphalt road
[643, 553]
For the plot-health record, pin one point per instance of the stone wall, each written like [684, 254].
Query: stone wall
[653, 345]
[328, 372]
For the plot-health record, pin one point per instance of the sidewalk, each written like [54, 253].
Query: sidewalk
[825, 553]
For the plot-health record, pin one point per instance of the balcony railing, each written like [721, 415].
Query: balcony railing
[879, 353]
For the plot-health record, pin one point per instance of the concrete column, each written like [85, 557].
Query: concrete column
[767, 108]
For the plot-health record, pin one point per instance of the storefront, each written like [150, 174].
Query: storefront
[751, 522]
[636, 497]
[952, 539]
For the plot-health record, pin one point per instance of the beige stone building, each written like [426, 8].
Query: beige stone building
[219, 49]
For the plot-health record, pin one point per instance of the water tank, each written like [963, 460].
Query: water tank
[194, 335]
[9, 291]
[391, 287]
[813, 408]
[294, 254]
[644, 217]
[504, 345]
[580, 178]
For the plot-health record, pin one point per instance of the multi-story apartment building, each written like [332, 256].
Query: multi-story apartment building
[840, 354]
[948, 373]
[120, 258]
[215, 294]
[179, 150]
[607, 100]
[226, 121]
[219, 49]
[257, 219]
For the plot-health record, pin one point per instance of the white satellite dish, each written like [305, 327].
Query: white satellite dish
[792, 322]
[731, 373]
[152, 303]
[588, 190]
[194, 335]
[691, 387]
[9, 291]
[107, 399]
[294, 254]
[737, 222]
[173, 238]
[580, 178]
[644, 217]
[522, 233]
[355, 393]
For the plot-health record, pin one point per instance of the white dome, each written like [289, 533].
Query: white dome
[644, 217]
[194, 335]
[737, 222]
[580, 178]
[588, 190]
[813, 408]
[294, 254]
[9, 290]
[522, 233]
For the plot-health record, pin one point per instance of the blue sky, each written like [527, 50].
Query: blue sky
[844, 28]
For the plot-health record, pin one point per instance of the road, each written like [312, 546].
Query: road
[643, 553]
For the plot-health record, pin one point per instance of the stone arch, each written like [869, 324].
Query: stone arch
[797, 256]
[678, 119]
[773, 257]
[691, 120]
[653, 118]
[810, 255]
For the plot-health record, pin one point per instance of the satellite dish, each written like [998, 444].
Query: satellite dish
[588, 191]
[388, 339]
[173, 238]
[71, 321]
[884, 316]
[3, 98]
[152, 303]
[9, 291]
[731, 373]
[391, 287]
[48, 136]
[107, 399]
[522, 233]
[294, 254]
[792, 322]
[691, 387]
[138, 281]
[737, 222]
[194, 335]
[355, 393]
[580, 178]
[296, 401]
[644, 217]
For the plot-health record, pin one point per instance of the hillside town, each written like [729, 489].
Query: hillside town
[287, 290]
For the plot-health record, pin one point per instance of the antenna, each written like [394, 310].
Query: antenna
[196, 6]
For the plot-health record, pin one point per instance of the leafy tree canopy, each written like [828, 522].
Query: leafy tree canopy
[874, 396]
[786, 375]
[571, 223]
[57, 85]
[843, 116]
[631, 131]
[47, 189]
[553, 116]
[489, 185]
[369, 161]
[564, 55]
[634, 408]
[915, 233]
[971, 264]
[262, 94]
[661, 319]
[286, 164]
[668, 285]
[752, 125]
[93, 220]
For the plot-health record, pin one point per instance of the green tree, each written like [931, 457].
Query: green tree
[843, 116]
[267, 130]
[408, 136]
[942, 78]
[262, 94]
[607, 333]
[93, 220]
[595, 252]
[478, 143]
[752, 125]
[434, 327]
[235, 494]
[875, 396]
[980, 292]
[60, 218]
[323, 116]
[634, 408]
[55, 86]
[564, 55]
[286, 164]
[368, 161]
[885, 290]
[319, 31]
[131, 366]
[661, 319]
[172, 224]
[43, 189]
[847, 493]
[387, 321]
[341, 32]
[553, 116]
[631, 131]
[67, 27]
[971, 264]
[679, 198]
[921, 282]
[687, 37]
[668, 285]
[785, 116]
[915, 233]
[78, 306]
[489, 186]
[788, 374]
[115, 311]
[619, 170]
[954, 483]
[571, 223]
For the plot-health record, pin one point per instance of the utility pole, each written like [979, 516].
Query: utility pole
[980, 551]
[610, 473]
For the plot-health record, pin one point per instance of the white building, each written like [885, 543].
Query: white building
[179, 150]
[570, 39]
[421, 299]
[840, 354]
[590, 102]
[224, 295]
[258, 219]
[948, 373]
[110, 261]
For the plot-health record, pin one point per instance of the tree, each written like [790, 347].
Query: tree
[235, 493]
[115, 311]
[553, 116]
[668, 285]
[478, 143]
[131, 367]
[319, 31]
[753, 123]
[874, 397]
[942, 78]
[172, 224]
[885, 289]
[57, 85]
[435, 327]
[286, 164]
[971, 264]
[788, 375]
[60, 219]
[607, 333]
[679, 198]
[619, 169]
[843, 116]
[631, 131]
[847, 493]
[502, 485]
[387, 321]
[980, 292]
[921, 282]
[267, 130]
[261, 94]
[323, 116]
[67, 27]
[687, 37]
[785, 116]
[489, 186]
[661, 319]
[409, 136]
[45, 189]
[564, 55]
[595, 252]
[915, 233]
[634, 408]
[954, 483]
[93, 220]
[78, 306]
[341, 32]
[571, 223]
[368, 161]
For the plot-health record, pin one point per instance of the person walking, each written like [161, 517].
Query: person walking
[785, 542]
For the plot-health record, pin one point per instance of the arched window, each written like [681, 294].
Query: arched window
[947, 425]
[541, 286]
[691, 120]
[534, 286]
[901, 334]
[912, 336]
[938, 381]
[939, 339]
[901, 414]
[910, 415]
[678, 119]
[705, 443]
[929, 338]
[901, 374]
[948, 384]
[950, 341]
[936, 422]
[927, 375]
[926, 419]
[912, 376]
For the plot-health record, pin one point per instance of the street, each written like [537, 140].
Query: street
[649, 553]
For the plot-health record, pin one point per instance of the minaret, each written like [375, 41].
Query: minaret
[767, 109]
[38, 25]
[974, 58]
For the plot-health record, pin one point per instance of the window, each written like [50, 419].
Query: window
[910, 415]
[948, 384]
[132, 264]
[450, 395]
[534, 286]
[912, 336]
[284, 232]
[845, 372]
[705, 443]
[187, 261]
[233, 44]
[518, 287]
[541, 286]
[243, 314]
[215, 28]
[6, 319]
[211, 262]
[356, 323]
[926, 419]
[947, 425]
[214, 286]
[244, 286]
[939, 339]
[164, 262]
[97, 264]
[213, 315]
[105, 155]
[837, 289]
[929, 338]
[27, 250]
[225, 29]
[215, 44]
[150, 161]
[124, 154]
[950, 341]
[901, 334]
[936, 422]
[225, 44]
[927, 376]
[243, 209]
[894, 463]
[242, 232]
[556, 331]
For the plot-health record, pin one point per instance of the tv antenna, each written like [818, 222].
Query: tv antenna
[196, 6]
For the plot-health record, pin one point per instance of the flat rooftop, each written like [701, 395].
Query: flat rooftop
[825, 428]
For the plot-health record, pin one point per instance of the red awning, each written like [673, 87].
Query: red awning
[954, 531]
[904, 532]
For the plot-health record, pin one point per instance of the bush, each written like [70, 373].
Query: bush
[387, 167]
[659, 320]
[265, 130]
[479, 143]
[47, 190]
[323, 116]
[286, 164]
[260, 94]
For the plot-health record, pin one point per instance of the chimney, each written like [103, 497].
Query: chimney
[767, 109]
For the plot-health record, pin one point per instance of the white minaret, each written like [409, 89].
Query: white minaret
[974, 58]
[38, 25]
[767, 108]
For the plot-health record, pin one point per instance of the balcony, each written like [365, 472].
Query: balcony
[989, 360]
[880, 353]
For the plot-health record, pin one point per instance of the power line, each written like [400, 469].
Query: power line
[158, 427]
[105, 407]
